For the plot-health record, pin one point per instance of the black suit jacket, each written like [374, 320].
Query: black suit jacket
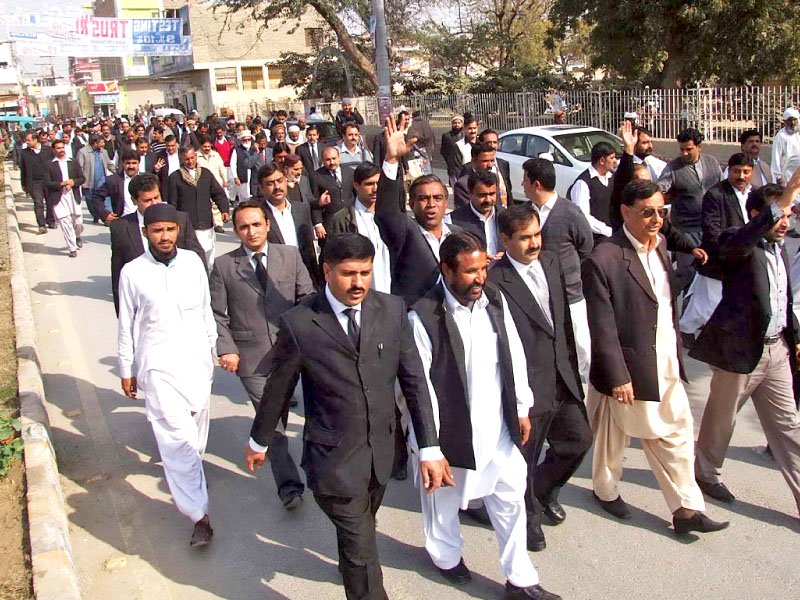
[341, 194]
[127, 244]
[721, 211]
[415, 269]
[53, 179]
[304, 228]
[304, 152]
[461, 189]
[196, 200]
[733, 338]
[33, 167]
[549, 351]
[113, 188]
[466, 219]
[349, 396]
[623, 311]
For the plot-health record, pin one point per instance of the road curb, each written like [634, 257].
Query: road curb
[54, 576]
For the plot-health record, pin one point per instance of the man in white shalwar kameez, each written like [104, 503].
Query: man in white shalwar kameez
[476, 371]
[67, 210]
[167, 334]
[635, 383]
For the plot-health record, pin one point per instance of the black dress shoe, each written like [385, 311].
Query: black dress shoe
[718, 491]
[698, 522]
[478, 514]
[458, 575]
[79, 242]
[536, 540]
[554, 511]
[73, 254]
[202, 533]
[536, 592]
[400, 472]
[218, 229]
[293, 501]
[51, 225]
[42, 230]
[617, 507]
[293, 403]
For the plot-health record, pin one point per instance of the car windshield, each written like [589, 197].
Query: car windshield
[579, 144]
[326, 129]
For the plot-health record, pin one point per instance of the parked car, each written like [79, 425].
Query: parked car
[568, 146]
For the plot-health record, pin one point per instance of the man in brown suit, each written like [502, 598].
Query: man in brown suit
[635, 379]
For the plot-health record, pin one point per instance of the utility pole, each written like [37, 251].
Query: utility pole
[382, 62]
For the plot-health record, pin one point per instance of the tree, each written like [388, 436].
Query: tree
[672, 43]
[330, 84]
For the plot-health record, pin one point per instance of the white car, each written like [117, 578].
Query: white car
[568, 146]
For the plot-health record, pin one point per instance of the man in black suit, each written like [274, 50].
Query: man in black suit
[413, 244]
[751, 342]
[310, 152]
[533, 283]
[62, 181]
[723, 207]
[636, 387]
[192, 188]
[450, 152]
[261, 156]
[479, 215]
[483, 159]
[33, 169]
[127, 239]
[290, 222]
[251, 288]
[349, 344]
[116, 188]
[332, 185]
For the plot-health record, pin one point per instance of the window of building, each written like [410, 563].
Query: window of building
[170, 13]
[313, 37]
[138, 61]
[252, 78]
[275, 74]
[225, 79]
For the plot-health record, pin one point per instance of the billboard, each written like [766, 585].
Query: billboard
[102, 87]
[89, 36]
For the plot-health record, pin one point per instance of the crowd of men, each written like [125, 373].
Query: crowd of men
[478, 327]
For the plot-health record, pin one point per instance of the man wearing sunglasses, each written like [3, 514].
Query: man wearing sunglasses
[636, 387]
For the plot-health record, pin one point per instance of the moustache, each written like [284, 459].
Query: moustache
[533, 250]
[355, 289]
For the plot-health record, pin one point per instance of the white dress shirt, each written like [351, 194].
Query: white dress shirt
[544, 210]
[285, 222]
[381, 264]
[489, 229]
[66, 204]
[653, 164]
[251, 258]
[580, 196]
[173, 162]
[491, 440]
[785, 155]
[536, 281]
[742, 198]
[128, 205]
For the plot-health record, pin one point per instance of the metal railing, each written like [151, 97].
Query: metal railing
[720, 114]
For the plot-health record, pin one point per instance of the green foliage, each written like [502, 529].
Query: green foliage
[331, 82]
[10, 443]
[440, 81]
[674, 43]
[514, 79]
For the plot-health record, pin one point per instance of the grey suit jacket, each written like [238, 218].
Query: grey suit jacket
[86, 163]
[247, 316]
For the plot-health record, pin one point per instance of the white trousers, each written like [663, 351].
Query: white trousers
[583, 340]
[243, 191]
[231, 188]
[181, 440]
[506, 508]
[208, 240]
[72, 228]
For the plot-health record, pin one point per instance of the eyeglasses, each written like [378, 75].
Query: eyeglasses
[650, 212]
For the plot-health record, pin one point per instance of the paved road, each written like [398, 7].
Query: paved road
[130, 542]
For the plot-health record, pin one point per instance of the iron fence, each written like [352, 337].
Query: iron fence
[721, 114]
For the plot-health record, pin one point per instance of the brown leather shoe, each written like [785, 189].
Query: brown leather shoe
[202, 533]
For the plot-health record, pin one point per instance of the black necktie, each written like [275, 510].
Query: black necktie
[353, 330]
[314, 158]
[261, 270]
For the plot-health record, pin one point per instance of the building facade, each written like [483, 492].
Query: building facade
[233, 67]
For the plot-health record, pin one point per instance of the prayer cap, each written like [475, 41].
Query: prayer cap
[160, 213]
[791, 113]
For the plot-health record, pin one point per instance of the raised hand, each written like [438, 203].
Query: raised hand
[629, 137]
[396, 144]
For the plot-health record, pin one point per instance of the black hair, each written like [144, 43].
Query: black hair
[423, 180]
[128, 154]
[486, 132]
[266, 170]
[638, 189]
[143, 182]
[643, 130]
[541, 170]
[766, 194]
[347, 246]
[516, 218]
[365, 171]
[690, 135]
[281, 147]
[478, 176]
[740, 159]
[480, 148]
[747, 134]
[459, 243]
[250, 204]
[601, 150]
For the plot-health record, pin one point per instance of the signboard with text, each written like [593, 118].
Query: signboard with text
[102, 87]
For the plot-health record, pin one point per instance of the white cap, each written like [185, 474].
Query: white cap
[791, 113]
[245, 134]
[293, 128]
[631, 115]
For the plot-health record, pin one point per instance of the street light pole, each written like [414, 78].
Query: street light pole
[382, 62]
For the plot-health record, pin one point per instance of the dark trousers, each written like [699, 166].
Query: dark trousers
[87, 193]
[354, 519]
[284, 471]
[569, 435]
[685, 270]
[400, 447]
[40, 208]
